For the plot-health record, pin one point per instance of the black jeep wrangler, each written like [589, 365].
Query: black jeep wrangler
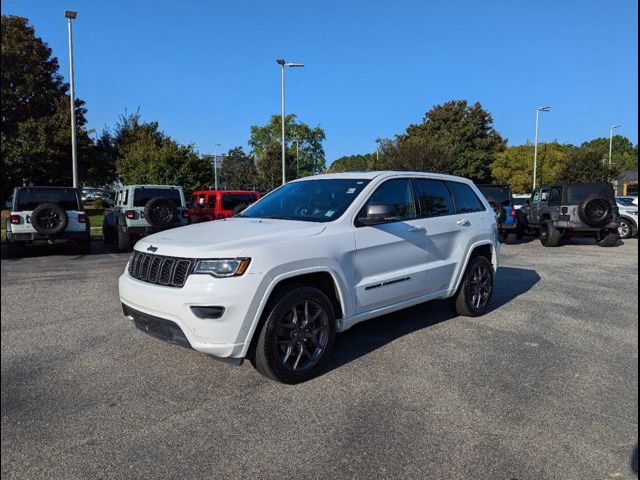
[511, 223]
[563, 210]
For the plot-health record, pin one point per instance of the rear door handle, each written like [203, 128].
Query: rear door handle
[417, 229]
[464, 222]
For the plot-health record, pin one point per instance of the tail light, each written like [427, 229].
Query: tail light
[513, 212]
[82, 218]
[130, 214]
[15, 219]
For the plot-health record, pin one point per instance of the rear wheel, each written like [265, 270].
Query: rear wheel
[108, 234]
[607, 238]
[476, 289]
[625, 230]
[549, 235]
[296, 337]
[124, 240]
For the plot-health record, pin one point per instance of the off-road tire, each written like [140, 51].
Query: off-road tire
[266, 357]
[461, 301]
[108, 234]
[596, 212]
[160, 212]
[123, 239]
[607, 239]
[49, 219]
[550, 236]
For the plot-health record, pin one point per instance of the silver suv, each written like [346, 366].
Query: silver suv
[143, 209]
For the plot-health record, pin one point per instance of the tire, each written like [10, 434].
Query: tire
[49, 219]
[550, 236]
[124, 240]
[108, 234]
[607, 238]
[509, 238]
[160, 212]
[284, 338]
[476, 289]
[596, 212]
[625, 231]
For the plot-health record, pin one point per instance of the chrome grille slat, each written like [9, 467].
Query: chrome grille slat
[160, 270]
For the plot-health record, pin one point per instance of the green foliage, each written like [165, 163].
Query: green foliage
[625, 154]
[352, 163]
[265, 140]
[514, 166]
[147, 155]
[461, 136]
[239, 170]
[586, 165]
[36, 131]
[417, 153]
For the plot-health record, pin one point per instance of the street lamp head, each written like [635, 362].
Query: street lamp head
[615, 126]
[71, 14]
[295, 65]
[280, 61]
[544, 109]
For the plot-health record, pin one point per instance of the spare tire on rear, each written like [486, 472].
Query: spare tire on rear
[596, 211]
[49, 219]
[160, 212]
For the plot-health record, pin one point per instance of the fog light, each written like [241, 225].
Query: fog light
[212, 313]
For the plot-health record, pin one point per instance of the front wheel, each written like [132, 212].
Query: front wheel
[476, 290]
[296, 337]
[550, 236]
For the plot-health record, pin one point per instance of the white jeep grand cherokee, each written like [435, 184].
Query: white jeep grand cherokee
[314, 257]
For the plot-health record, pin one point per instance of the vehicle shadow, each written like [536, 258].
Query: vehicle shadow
[364, 338]
[68, 251]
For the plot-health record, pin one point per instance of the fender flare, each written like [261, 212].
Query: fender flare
[494, 261]
[340, 291]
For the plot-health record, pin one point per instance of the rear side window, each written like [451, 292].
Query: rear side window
[432, 198]
[142, 195]
[232, 200]
[29, 198]
[465, 199]
[398, 194]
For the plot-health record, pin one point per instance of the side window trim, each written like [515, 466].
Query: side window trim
[455, 203]
[415, 191]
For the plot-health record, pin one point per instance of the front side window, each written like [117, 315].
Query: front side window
[308, 200]
[396, 194]
[465, 199]
[142, 195]
[537, 195]
[432, 198]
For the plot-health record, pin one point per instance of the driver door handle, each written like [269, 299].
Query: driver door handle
[464, 222]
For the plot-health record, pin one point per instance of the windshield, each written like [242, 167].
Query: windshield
[308, 201]
[626, 202]
[579, 193]
[499, 195]
[142, 195]
[30, 198]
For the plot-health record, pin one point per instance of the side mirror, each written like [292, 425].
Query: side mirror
[377, 213]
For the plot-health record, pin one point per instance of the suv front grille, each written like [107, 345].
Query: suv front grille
[160, 270]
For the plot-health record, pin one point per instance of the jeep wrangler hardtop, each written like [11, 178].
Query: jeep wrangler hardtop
[143, 209]
[563, 210]
[47, 215]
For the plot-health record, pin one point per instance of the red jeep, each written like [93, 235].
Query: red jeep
[216, 204]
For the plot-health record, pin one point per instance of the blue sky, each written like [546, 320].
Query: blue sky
[205, 69]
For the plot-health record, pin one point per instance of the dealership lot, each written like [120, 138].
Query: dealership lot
[545, 386]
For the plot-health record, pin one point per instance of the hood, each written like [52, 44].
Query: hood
[225, 238]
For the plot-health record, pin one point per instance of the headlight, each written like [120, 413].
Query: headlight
[222, 267]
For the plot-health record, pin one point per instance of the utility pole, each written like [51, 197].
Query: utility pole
[71, 15]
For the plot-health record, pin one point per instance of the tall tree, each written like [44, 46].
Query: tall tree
[586, 165]
[418, 153]
[147, 155]
[304, 158]
[464, 135]
[625, 154]
[514, 166]
[352, 163]
[36, 132]
[239, 170]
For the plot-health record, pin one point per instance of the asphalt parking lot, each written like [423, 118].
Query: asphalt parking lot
[545, 386]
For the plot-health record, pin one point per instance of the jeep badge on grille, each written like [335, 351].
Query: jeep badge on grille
[151, 248]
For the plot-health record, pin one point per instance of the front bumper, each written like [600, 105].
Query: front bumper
[226, 336]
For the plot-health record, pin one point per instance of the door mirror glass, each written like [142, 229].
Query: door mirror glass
[378, 213]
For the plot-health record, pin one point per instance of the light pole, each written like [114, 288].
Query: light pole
[611, 129]
[284, 65]
[535, 145]
[297, 157]
[215, 166]
[71, 15]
